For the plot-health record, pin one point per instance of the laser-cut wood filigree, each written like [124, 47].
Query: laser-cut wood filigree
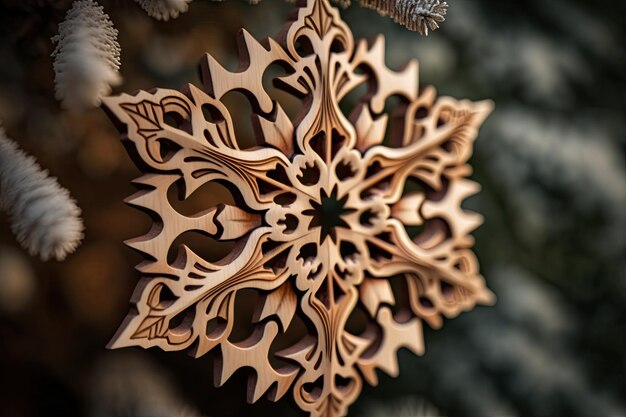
[356, 237]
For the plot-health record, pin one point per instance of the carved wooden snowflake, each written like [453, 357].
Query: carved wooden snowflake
[338, 222]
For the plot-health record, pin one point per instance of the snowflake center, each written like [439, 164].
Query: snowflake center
[328, 214]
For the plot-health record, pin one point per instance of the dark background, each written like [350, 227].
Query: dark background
[551, 161]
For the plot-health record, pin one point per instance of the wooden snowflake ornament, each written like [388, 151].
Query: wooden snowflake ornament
[348, 225]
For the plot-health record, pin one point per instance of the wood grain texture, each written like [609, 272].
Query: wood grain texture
[348, 226]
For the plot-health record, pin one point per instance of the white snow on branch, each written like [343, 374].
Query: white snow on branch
[43, 216]
[164, 9]
[86, 57]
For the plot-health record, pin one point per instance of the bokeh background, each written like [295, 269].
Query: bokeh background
[551, 161]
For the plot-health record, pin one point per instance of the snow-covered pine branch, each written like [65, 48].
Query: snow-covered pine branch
[417, 15]
[421, 16]
[164, 9]
[86, 57]
[43, 216]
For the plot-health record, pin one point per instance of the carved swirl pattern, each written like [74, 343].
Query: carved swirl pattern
[396, 249]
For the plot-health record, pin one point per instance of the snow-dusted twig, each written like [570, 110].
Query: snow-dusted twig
[86, 57]
[416, 15]
[164, 9]
[43, 216]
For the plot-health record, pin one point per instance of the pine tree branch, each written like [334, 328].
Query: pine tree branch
[43, 216]
[86, 57]
[417, 15]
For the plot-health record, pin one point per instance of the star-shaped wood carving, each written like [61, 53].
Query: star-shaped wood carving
[348, 225]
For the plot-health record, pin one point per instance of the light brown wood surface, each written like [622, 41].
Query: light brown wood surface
[348, 226]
